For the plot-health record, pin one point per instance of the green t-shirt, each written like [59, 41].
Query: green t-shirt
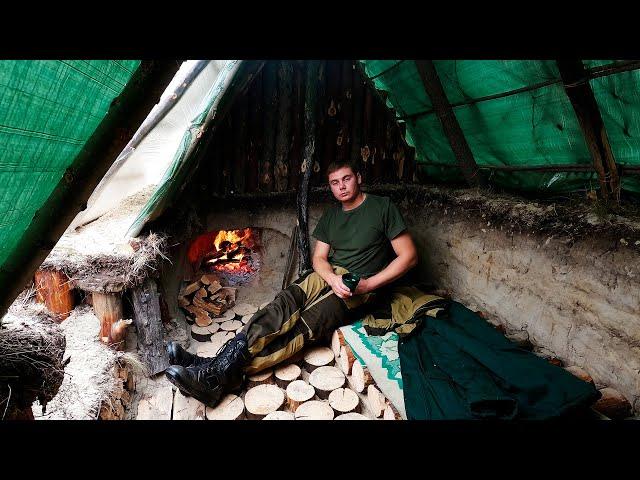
[360, 238]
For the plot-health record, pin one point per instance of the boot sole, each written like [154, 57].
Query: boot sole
[200, 396]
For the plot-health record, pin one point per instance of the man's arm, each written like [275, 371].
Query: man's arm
[407, 258]
[323, 268]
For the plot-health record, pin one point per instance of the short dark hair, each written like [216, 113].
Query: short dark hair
[338, 164]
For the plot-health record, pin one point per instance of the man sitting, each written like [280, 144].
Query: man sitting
[364, 234]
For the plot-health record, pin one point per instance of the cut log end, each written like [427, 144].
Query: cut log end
[231, 407]
[265, 377]
[360, 377]
[326, 379]
[318, 357]
[297, 393]
[314, 410]
[263, 400]
[287, 374]
[344, 400]
[375, 400]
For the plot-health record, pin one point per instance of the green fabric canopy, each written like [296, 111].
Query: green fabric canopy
[536, 127]
[48, 110]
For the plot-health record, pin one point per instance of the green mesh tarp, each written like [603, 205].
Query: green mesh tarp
[48, 110]
[537, 127]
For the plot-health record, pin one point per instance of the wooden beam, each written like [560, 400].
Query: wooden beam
[304, 249]
[125, 115]
[453, 132]
[148, 322]
[584, 104]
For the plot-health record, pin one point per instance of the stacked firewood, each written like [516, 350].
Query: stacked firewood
[205, 299]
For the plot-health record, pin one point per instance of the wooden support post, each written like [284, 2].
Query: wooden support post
[285, 87]
[297, 131]
[255, 133]
[578, 89]
[270, 95]
[108, 309]
[358, 111]
[450, 125]
[54, 290]
[304, 249]
[239, 115]
[345, 110]
[331, 113]
[320, 83]
[148, 322]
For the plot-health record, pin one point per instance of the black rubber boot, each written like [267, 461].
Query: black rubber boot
[179, 356]
[208, 382]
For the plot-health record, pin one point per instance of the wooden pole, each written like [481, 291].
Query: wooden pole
[450, 125]
[270, 95]
[320, 83]
[358, 112]
[285, 88]
[146, 307]
[239, 116]
[255, 133]
[584, 104]
[54, 290]
[304, 257]
[108, 309]
[125, 115]
[297, 130]
[331, 113]
[345, 109]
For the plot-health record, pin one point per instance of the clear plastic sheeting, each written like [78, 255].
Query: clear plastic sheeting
[513, 113]
[48, 110]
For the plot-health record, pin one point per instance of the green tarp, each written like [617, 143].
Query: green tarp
[48, 110]
[532, 128]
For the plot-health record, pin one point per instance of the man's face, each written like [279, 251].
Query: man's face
[345, 185]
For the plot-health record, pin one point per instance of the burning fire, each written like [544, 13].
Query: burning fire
[229, 251]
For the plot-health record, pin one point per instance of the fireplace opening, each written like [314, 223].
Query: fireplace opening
[233, 256]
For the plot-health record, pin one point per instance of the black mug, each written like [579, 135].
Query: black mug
[351, 280]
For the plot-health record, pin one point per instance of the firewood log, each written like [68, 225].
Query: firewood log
[375, 400]
[228, 315]
[187, 408]
[108, 309]
[280, 415]
[344, 400]
[220, 338]
[580, 373]
[261, 378]
[314, 410]
[287, 374]
[231, 407]
[183, 301]
[352, 416]
[201, 334]
[262, 400]
[231, 325]
[318, 357]
[360, 376]
[346, 359]
[612, 404]
[326, 379]
[244, 309]
[297, 393]
[189, 289]
[391, 413]
[337, 340]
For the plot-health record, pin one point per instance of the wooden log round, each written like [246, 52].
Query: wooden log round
[201, 334]
[352, 416]
[202, 317]
[264, 305]
[245, 319]
[337, 341]
[187, 408]
[231, 407]
[191, 288]
[265, 377]
[228, 315]
[298, 392]
[391, 413]
[375, 401]
[280, 415]
[360, 377]
[326, 379]
[580, 373]
[346, 359]
[220, 338]
[108, 309]
[612, 404]
[53, 288]
[344, 400]
[314, 410]
[262, 400]
[287, 374]
[318, 357]
[231, 325]
[243, 309]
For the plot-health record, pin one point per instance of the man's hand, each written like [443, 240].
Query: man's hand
[363, 287]
[339, 288]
